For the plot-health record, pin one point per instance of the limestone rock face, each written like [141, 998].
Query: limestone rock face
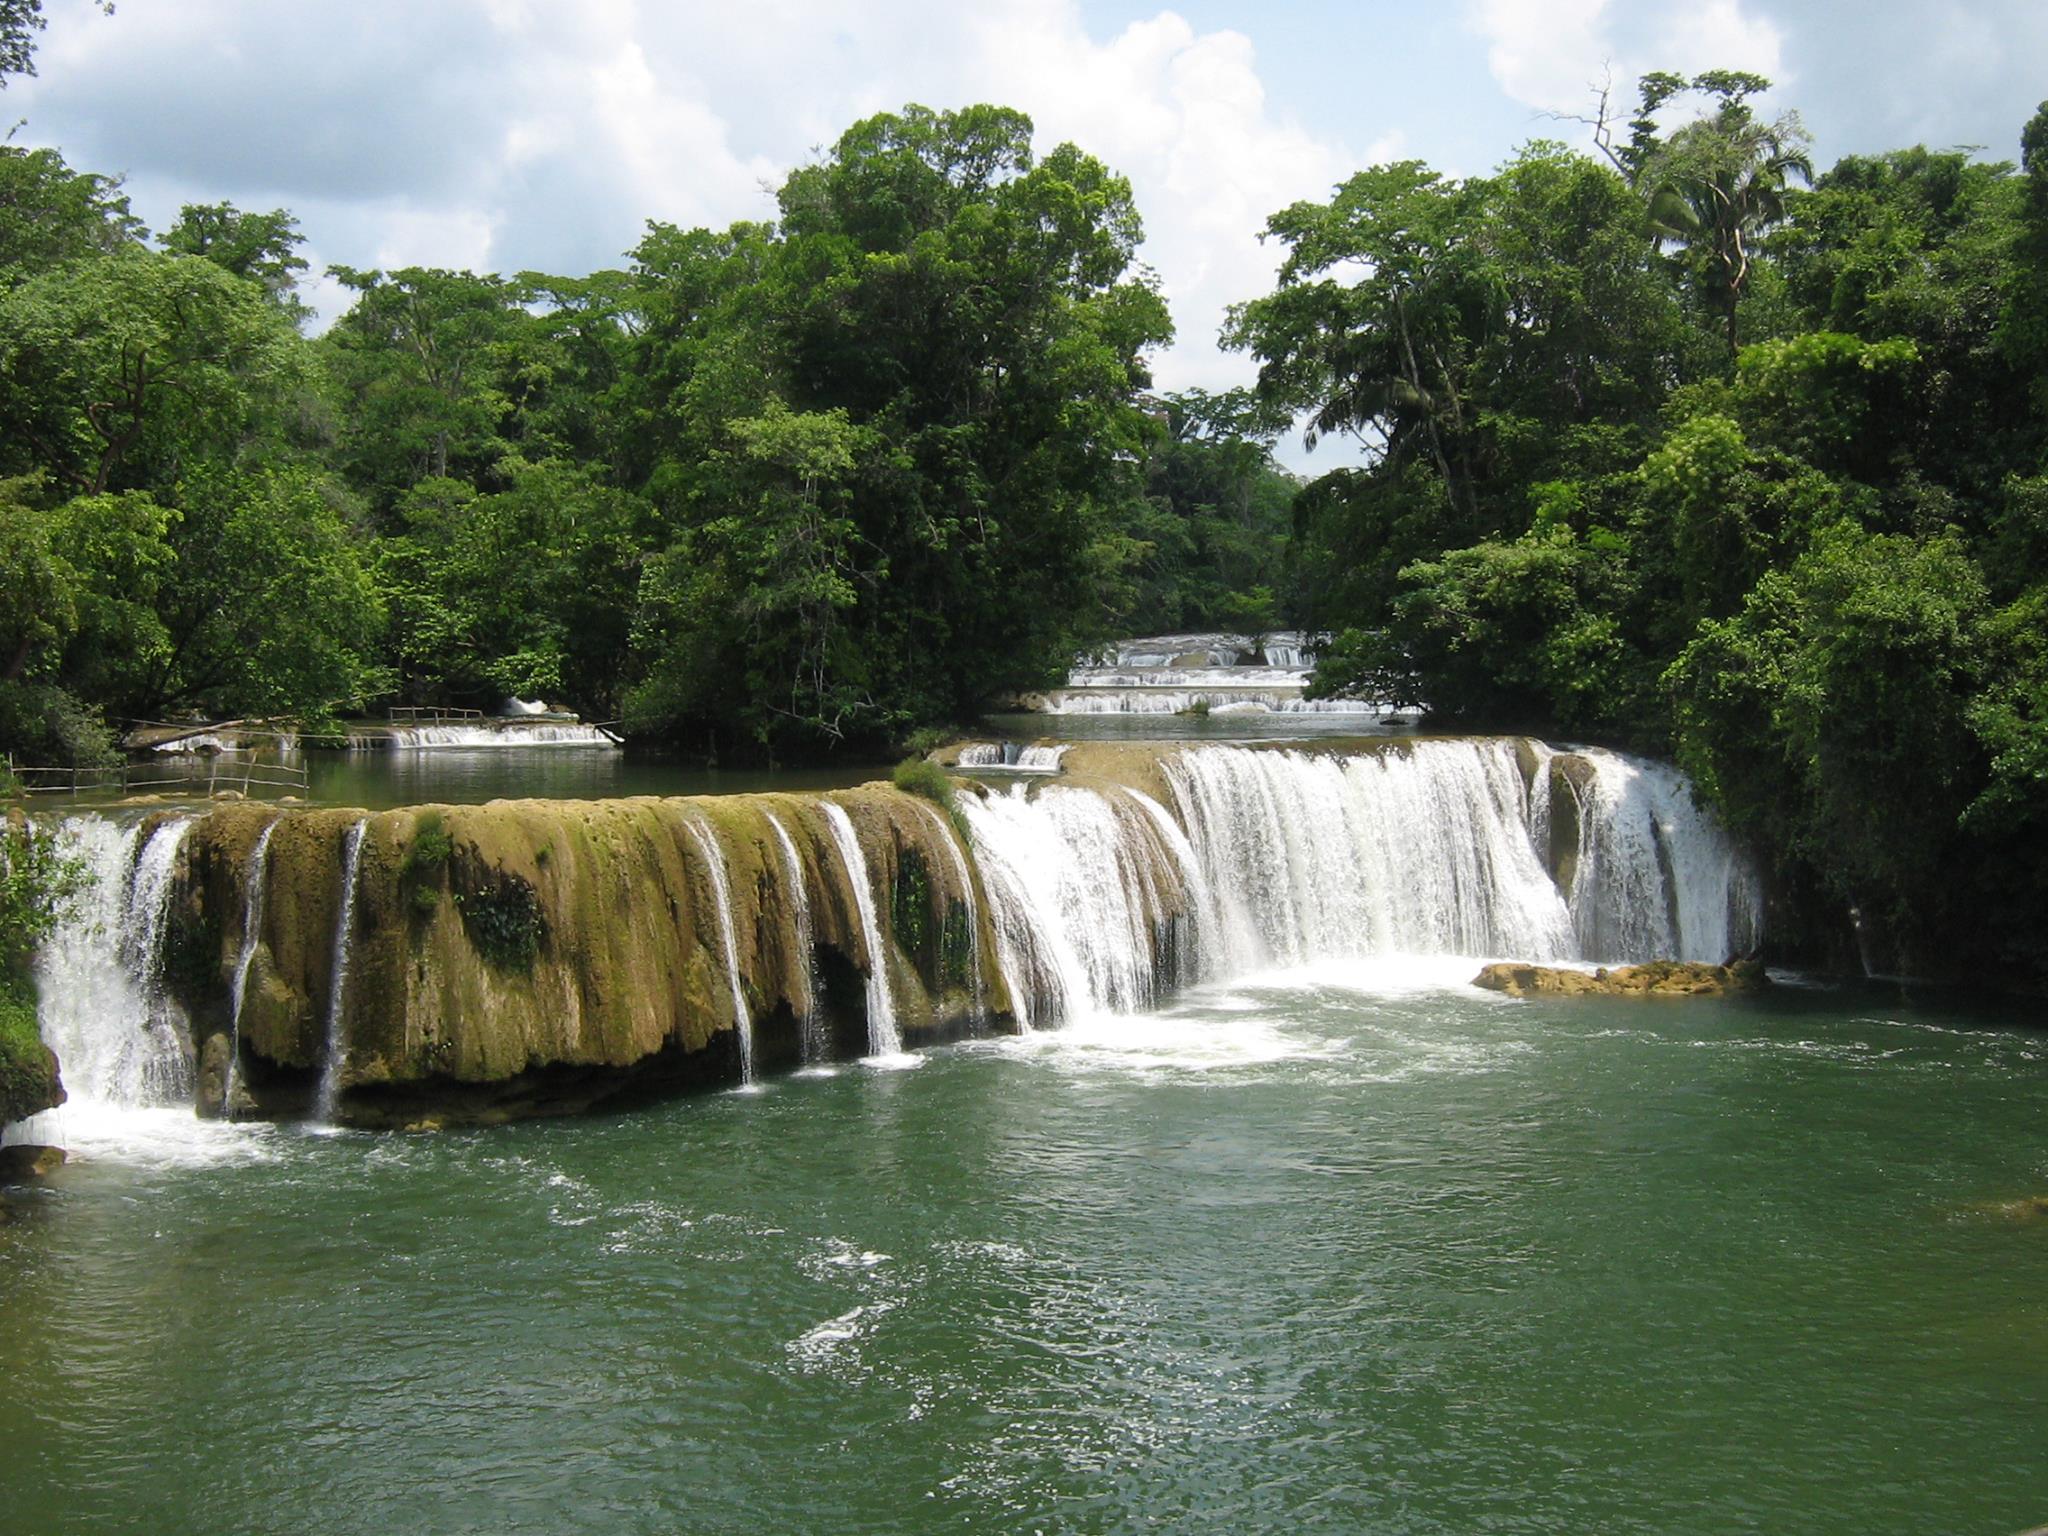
[1655, 978]
[530, 957]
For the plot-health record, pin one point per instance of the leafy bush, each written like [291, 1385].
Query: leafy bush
[917, 776]
[37, 883]
[928, 738]
[424, 862]
[430, 848]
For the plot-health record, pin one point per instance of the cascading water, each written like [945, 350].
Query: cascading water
[965, 880]
[810, 1035]
[1655, 874]
[255, 878]
[1009, 754]
[1425, 851]
[511, 733]
[1127, 700]
[883, 1038]
[336, 1053]
[1098, 899]
[742, 1020]
[1077, 882]
[1437, 849]
[99, 975]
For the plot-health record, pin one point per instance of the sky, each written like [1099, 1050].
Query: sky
[512, 135]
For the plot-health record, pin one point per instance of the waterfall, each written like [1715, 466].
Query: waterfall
[1655, 874]
[337, 992]
[811, 1037]
[714, 865]
[883, 1039]
[1126, 700]
[1423, 851]
[1082, 896]
[99, 975]
[254, 878]
[510, 733]
[1077, 881]
[1009, 754]
[965, 879]
[1438, 849]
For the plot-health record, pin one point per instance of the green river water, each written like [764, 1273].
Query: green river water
[1357, 1249]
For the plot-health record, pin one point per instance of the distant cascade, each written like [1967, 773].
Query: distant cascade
[255, 878]
[336, 1053]
[721, 890]
[1287, 649]
[1078, 882]
[99, 976]
[1120, 700]
[810, 1029]
[964, 879]
[511, 733]
[1010, 754]
[883, 1037]
[1217, 674]
[1656, 876]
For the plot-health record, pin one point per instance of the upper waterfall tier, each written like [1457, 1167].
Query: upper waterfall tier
[533, 956]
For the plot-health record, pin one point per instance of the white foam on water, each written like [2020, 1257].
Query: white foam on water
[161, 1137]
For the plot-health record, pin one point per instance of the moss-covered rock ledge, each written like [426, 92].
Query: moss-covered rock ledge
[29, 1083]
[536, 957]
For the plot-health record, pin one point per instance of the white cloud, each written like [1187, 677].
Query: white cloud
[1554, 55]
[516, 134]
[1543, 52]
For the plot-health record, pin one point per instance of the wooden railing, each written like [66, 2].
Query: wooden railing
[250, 775]
[433, 714]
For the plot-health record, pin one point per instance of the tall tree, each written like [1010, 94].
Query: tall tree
[262, 247]
[1718, 184]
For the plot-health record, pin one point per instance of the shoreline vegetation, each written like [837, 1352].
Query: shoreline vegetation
[1681, 444]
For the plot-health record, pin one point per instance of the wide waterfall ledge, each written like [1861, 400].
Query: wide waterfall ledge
[471, 964]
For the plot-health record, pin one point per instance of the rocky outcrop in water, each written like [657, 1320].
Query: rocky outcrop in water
[29, 1080]
[1657, 978]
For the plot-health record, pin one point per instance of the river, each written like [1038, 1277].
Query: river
[1354, 1248]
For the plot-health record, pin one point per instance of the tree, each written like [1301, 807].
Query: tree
[115, 368]
[50, 213]
[1719, 183]
[262, 247]
[967, 309]
[2023, 329]
[1481, 337]
[415, 363]
[1829, 717]
[779, 576]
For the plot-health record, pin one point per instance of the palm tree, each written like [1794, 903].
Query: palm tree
[1715, 186]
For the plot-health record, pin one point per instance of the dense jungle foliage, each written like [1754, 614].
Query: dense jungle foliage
[778, 489]
[1681, 447]
[1697, 452]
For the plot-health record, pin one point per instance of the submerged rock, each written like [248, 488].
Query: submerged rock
[1654, 978]
[2028, 1208]
[21, 1164]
